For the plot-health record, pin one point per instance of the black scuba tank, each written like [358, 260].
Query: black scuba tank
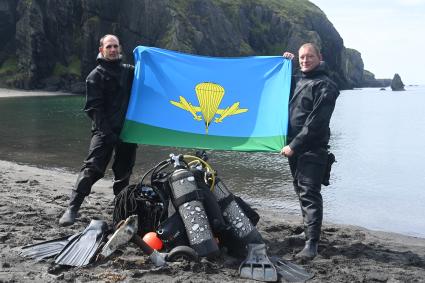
[210, 202]
[241, 231]
[187, 199]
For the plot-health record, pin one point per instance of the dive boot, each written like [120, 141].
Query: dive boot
[68, 218]
[309, 251]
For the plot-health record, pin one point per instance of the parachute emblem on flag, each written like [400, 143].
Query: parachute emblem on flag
[209, 97]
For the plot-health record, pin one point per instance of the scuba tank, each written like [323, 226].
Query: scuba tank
[241, 231]
[187, 199]
[210, 202]
[172, 231]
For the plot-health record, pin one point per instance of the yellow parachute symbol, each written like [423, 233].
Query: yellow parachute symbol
[209, 97]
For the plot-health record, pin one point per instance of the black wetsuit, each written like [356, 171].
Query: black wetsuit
[108, 91]
[310, 109]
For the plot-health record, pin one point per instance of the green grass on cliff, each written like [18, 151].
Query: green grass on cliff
[10, 66]
[294, 9]
[73, 68]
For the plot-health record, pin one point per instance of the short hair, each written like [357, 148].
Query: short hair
[311, 45]
[105, 36]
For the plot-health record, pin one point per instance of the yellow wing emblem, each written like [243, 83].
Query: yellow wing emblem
[209, 97]
[183, 104]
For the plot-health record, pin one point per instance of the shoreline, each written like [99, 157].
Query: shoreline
[34, 198]
[104, 185]
[6, 92]
[9, 92]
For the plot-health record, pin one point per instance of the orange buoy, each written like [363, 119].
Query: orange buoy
[153, 241]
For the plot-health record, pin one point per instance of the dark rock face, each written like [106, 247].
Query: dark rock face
[397, 84]
[52, 44]
[44, 39]
[370, 81]
[7, 25]
[352, 67]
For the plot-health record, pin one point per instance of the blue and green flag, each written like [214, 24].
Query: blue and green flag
[202, 102]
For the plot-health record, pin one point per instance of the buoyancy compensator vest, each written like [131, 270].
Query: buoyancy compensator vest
[172, 232]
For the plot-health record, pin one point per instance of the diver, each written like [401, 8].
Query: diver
[311, 105]
[108, 88]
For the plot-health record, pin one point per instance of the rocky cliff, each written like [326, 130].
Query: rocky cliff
[352, 67]
[52, 44]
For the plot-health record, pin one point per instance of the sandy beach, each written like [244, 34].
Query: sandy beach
[33, 199]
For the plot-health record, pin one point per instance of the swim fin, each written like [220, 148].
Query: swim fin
[257, 265]
[80, 250]
[46, 249]
[122, 236]
[289, 271]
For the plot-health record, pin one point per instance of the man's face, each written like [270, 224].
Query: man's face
[309, 59]
[111, 48]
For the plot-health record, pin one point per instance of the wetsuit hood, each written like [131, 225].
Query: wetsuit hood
[108, 63]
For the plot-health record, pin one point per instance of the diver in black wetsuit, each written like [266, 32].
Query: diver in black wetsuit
[310, 109]
[108, 88]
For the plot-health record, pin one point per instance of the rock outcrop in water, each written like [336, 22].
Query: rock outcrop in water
[52, 44]
[397, 84]
[369, 80]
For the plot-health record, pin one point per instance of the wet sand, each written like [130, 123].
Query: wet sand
[32, 200]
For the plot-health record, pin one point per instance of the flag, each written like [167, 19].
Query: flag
[204, 102]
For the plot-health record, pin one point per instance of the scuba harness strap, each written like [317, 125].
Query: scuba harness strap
[194, 195]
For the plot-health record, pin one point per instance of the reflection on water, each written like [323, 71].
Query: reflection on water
[377, 137]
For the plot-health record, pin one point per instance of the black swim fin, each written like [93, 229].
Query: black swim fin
[289, 271]
[46, 249]
[80, 250]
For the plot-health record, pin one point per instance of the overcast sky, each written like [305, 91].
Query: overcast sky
[390, 34]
